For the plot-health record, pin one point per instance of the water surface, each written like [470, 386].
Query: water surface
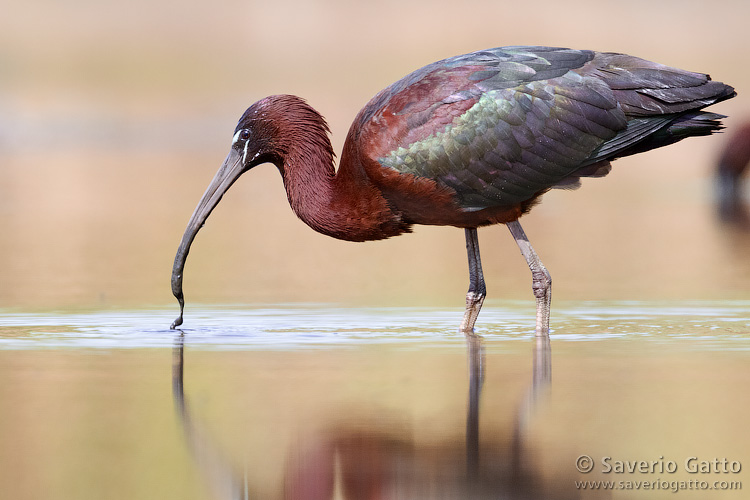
[314, 401]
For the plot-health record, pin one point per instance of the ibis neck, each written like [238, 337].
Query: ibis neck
[344, 204]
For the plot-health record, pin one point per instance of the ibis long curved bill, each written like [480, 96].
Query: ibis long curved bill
[230, 171]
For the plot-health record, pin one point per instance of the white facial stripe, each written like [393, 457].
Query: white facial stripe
[244, 156]
[236, 137]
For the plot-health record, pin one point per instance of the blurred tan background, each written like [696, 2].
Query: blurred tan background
[114, 116]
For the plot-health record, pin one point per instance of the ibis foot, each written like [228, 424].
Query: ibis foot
[541, 281]
[477, 289]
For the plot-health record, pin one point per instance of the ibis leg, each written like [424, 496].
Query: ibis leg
[477, 289]
[541, 280]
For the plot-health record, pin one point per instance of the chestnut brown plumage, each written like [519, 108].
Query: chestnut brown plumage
[468, 141]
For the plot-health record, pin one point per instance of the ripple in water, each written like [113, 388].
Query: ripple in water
[722, 325]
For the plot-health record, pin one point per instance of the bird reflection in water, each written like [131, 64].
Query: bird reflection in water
[224, 480]
[357, 463]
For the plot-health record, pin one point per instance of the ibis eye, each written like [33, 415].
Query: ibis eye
[241, 136]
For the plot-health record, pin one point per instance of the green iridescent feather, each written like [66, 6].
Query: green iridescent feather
[542, 115]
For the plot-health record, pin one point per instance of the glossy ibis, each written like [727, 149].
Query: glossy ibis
[468, 141]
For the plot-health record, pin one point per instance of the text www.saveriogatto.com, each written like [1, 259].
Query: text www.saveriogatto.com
[705, 474]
